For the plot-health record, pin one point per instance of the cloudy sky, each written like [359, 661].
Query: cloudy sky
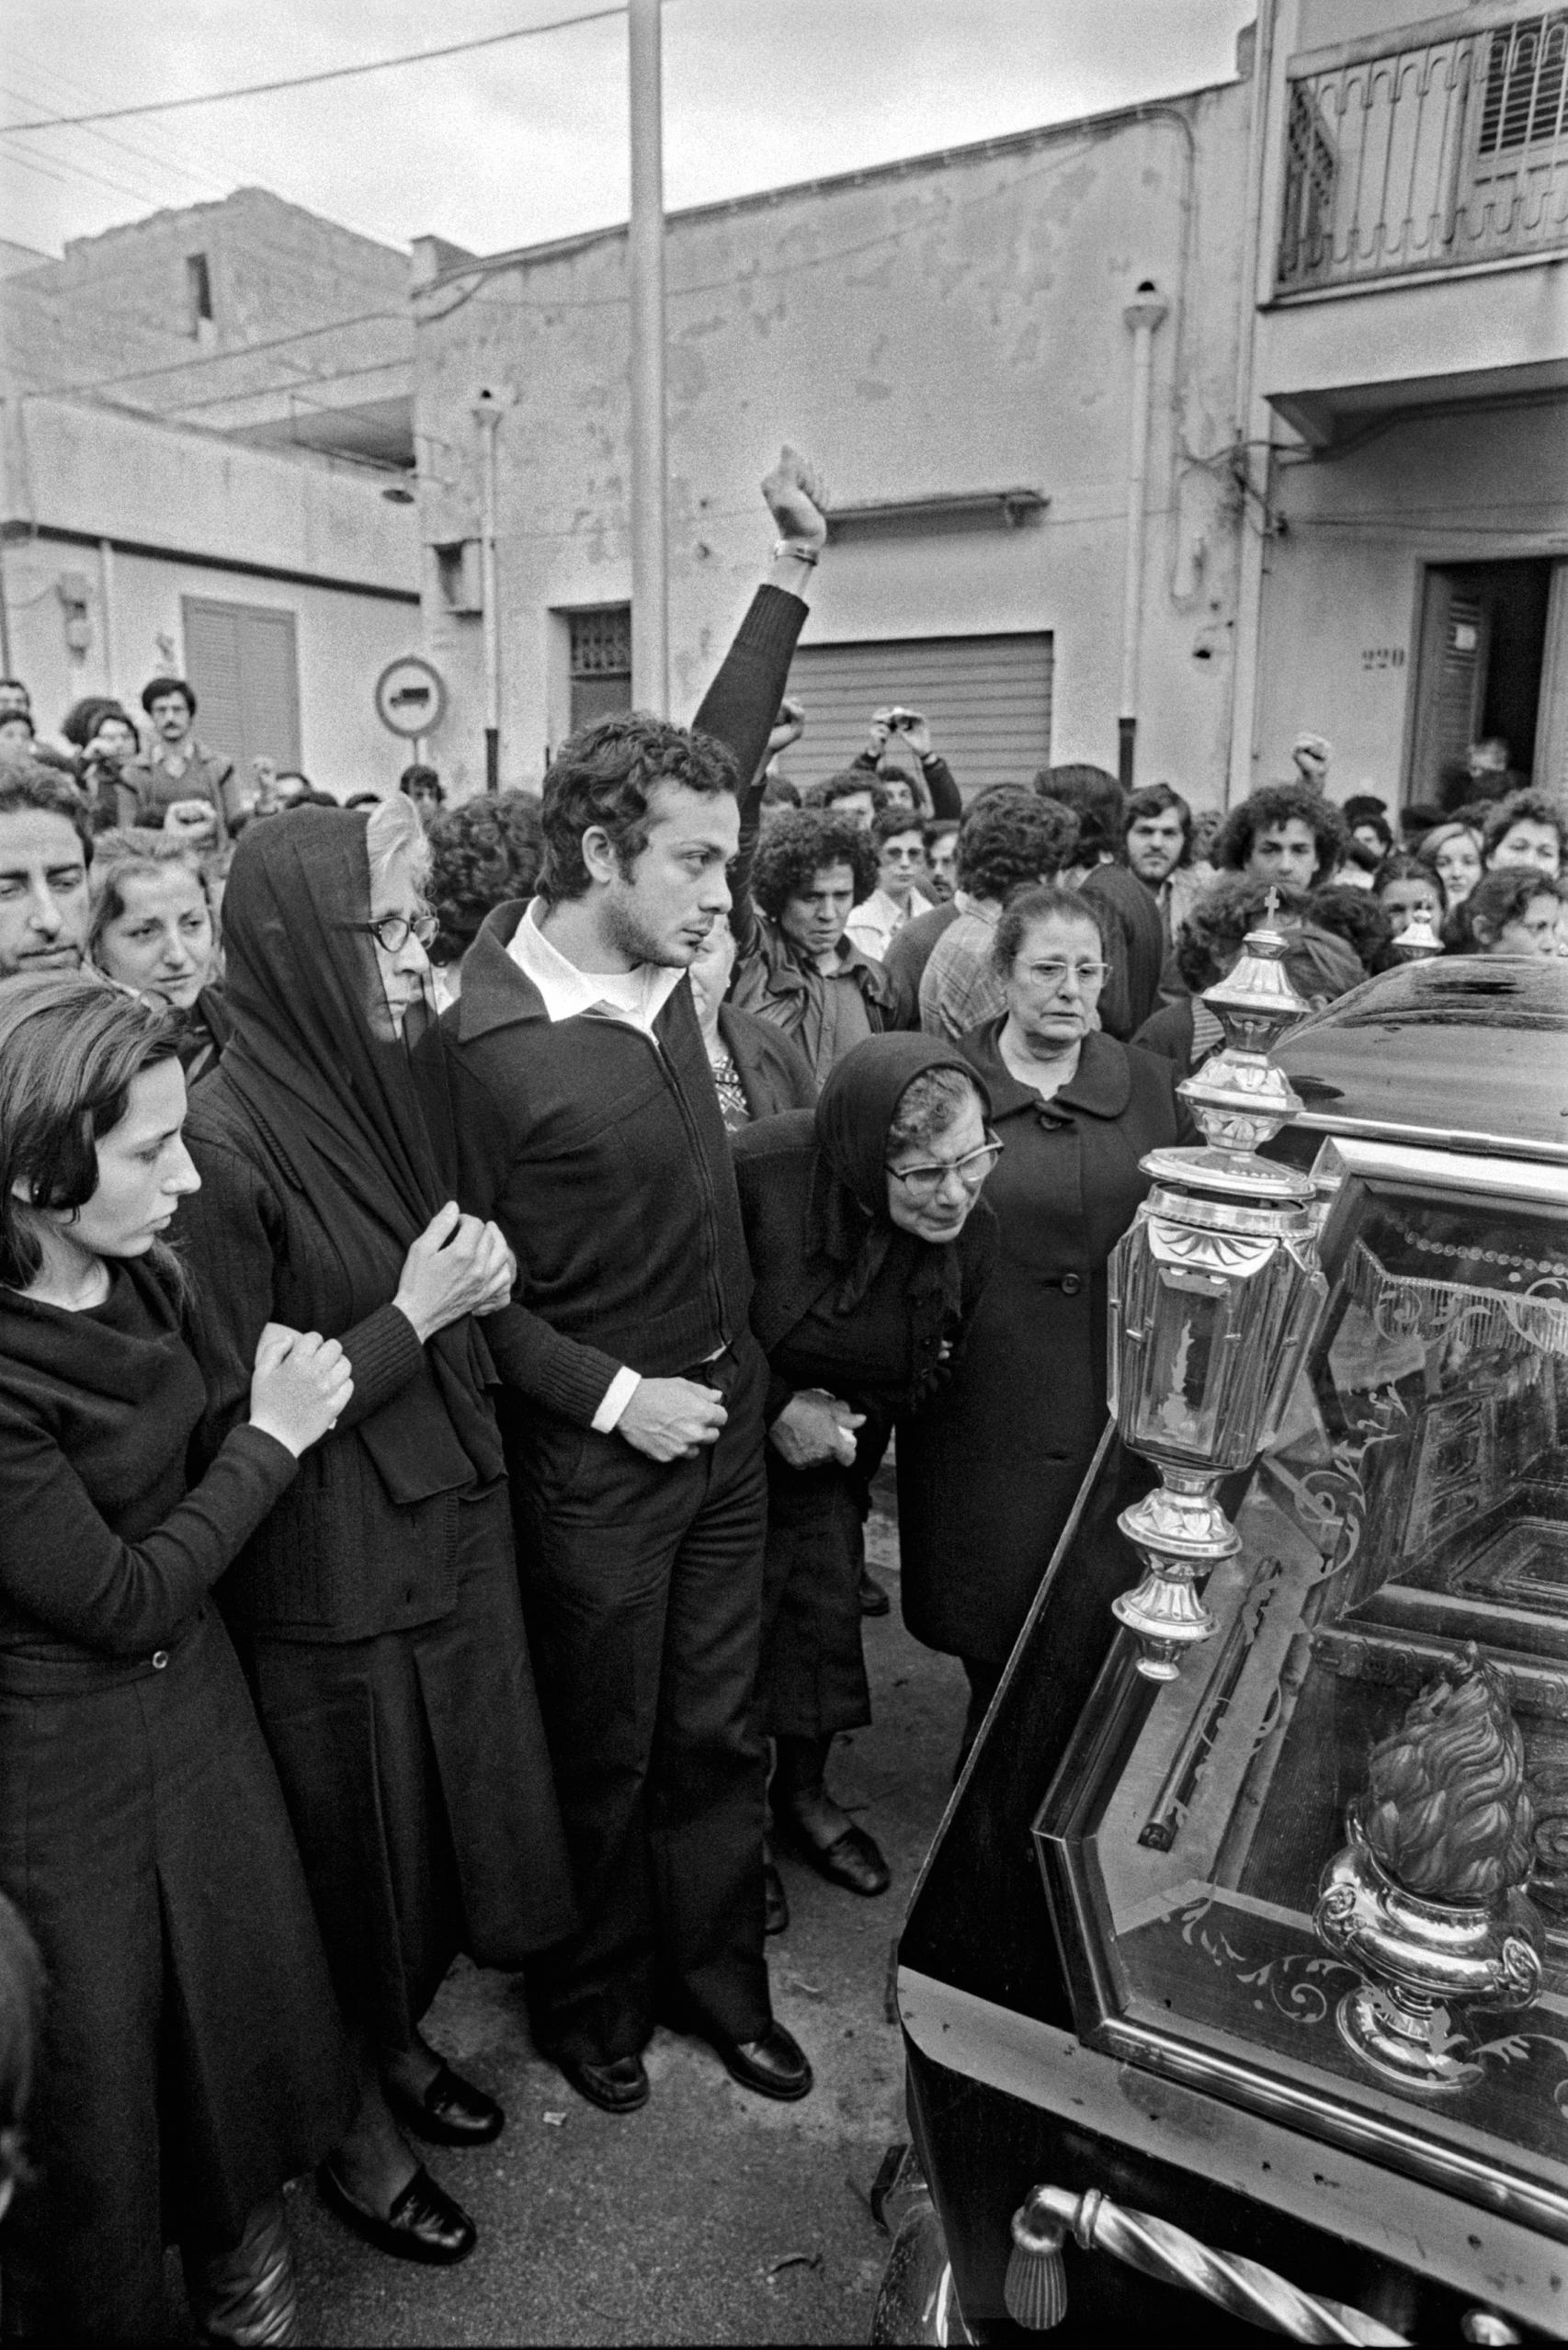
[527, 141]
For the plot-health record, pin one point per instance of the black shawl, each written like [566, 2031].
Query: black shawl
[838, 1244]
[316, 1062]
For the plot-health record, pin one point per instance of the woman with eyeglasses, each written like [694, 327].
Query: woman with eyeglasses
[376, 1609]
[1003, 1450]
[870, 1247]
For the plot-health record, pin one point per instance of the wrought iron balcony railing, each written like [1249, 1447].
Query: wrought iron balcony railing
[1446, 147]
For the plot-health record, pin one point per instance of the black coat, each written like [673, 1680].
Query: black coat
[1136, 940]
[191, 2060]
[775, 1075]
[990, 1471]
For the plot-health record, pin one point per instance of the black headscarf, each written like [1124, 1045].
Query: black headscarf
[315, 1059]
[847, 1221]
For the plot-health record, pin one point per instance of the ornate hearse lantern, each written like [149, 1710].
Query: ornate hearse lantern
[1214, 1291]
[1418, 941]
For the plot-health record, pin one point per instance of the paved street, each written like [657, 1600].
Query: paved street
[711, 2216]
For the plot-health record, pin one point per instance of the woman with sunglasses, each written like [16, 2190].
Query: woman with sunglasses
[870, 1247]
[376, 1609]
[987, 1491]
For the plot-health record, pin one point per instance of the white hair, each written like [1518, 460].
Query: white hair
[395, 844]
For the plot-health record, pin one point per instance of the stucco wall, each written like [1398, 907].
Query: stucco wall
[949, 325]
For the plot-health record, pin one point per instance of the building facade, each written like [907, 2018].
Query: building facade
[280, 584]
[948, 338]
[202, 415]
[1407, 576]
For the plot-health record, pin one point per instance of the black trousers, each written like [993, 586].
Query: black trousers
[642, 1595]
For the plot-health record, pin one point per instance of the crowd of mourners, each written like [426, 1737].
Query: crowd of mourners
[460, 1273]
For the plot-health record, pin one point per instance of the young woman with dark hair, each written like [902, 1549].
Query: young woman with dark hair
[1517, 910]
[190, 2058]
[1408, 890]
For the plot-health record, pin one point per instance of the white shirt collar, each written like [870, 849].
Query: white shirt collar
[637, 996]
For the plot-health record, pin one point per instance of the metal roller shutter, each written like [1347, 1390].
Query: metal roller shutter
[987, 700]
[242, 666]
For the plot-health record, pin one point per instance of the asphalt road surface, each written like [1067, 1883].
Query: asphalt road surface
[712, 2215]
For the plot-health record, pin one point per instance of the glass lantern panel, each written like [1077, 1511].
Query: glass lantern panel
[1190, 1338]
[1414, 1500]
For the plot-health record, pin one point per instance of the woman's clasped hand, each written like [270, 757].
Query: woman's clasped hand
[815, 1427]
[301, 1383]
[456, 1265]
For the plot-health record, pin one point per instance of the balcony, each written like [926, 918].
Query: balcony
[1433, 150]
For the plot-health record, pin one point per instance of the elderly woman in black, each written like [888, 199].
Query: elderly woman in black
[191, 2060]
[870, 1248]
[1003, 1450]
[378, 1607]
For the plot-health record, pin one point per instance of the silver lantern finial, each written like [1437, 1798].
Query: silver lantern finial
[1214, 1291]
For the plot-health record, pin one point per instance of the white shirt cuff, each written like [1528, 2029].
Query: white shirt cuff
[616, 1396]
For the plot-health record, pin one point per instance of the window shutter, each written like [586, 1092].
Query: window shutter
[243, 662]
[987, 701]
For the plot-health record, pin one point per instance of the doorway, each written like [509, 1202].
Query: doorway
[1482, 662]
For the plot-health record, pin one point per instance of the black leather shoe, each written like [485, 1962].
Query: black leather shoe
[853, 1860]
[775, 1905]
[451, 2112]
[874, 1600]
[617, 2087]
[774, 2066]
[423, 2223]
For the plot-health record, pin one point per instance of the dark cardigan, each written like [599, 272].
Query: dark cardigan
[105, 1548]
[336, 1559]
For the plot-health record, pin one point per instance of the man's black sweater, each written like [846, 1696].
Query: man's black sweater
[599, 1151]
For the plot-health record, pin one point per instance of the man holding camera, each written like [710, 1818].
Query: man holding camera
[899, 744]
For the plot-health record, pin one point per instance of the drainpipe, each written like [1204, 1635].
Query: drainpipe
[1255, 419]
[645, 253]
[487, 414]
[106, 584]
[1142, 314]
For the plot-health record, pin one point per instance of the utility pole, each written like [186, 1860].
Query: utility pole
[487, 414]
[649, 537]
[1142, 314]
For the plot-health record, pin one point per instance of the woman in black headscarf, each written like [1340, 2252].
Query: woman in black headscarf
[870, 1248]
[378, 1607]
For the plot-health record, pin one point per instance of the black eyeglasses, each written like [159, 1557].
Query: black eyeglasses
[392, 932]
[972, 1170]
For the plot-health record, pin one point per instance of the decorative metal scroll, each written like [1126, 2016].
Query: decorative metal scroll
[1406, 1305]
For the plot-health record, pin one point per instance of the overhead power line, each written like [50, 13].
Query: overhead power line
[307, 80]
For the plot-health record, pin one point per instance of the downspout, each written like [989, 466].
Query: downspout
[487, 412]
[645, 262]
[1142, 314]
[1252, 567]
[107, 590]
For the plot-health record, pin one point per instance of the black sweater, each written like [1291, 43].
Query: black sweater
[600, 1152]
[105, 1548]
